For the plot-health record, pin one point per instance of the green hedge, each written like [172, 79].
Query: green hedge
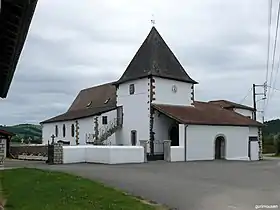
[268, 148]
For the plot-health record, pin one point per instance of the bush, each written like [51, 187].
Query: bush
[36, 141]
[268, 148]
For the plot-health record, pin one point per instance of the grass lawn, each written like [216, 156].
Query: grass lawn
[33, 189]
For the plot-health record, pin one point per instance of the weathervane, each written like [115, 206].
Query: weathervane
[153, 21]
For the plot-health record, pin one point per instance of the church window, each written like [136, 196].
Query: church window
[131, 89]
[72, 130]
[133, 137]
[105, 102]
[63, 130]
[56, 131]
[89, 104]
[104, 120]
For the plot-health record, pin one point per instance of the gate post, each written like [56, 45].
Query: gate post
[2, 150]
[167, 150]
[260, 140]
[58, 153]
[143, 143]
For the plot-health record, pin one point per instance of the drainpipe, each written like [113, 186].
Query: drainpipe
[185, 143]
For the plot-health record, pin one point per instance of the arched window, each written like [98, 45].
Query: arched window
[72, 130]
[63, 130]
[56, 131]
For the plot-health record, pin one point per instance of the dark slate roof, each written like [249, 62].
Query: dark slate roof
[229, 104]
[15, 19]
[155, 58]
[95, 97]
[78, 114]
[89, 102]
[204, 113]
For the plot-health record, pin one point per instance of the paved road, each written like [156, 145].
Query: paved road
[211, 185]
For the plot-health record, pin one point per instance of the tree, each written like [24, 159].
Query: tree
[277, 144]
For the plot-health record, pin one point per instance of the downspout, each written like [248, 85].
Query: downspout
[185, 143]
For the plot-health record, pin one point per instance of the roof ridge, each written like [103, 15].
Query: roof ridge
[171, 105]
[100, 85]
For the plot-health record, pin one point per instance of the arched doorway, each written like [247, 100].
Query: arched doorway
[174, 135]
[220, 147]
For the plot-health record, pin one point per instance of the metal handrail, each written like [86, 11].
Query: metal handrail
[93, 138]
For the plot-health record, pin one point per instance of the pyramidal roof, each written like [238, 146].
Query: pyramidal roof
[154, 58]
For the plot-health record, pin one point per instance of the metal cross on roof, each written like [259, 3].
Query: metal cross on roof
[153, 21]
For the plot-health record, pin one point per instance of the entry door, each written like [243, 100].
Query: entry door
[253, 148]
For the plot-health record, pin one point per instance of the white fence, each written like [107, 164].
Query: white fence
[103, 154]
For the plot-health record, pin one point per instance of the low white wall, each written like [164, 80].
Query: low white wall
[74, 154]
[98, 154]
[239, 158]
[103, 154]
[177, 153]
[126, 154]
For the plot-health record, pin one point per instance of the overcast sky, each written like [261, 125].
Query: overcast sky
[71, 46]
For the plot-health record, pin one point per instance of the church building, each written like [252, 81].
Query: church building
[154, 100]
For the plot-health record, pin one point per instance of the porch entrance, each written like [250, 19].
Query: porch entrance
[156, 150]
[174, 135]
[220, 148]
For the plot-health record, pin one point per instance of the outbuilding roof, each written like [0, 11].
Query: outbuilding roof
[204, 113]
[6, 133]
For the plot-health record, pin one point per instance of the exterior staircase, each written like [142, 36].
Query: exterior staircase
[102, 134]
[107, 130]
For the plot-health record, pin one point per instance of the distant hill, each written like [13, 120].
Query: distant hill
[272, 127]
[25, 131]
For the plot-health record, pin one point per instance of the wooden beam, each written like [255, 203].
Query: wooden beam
[9, 36]
[11, 32]
[8, 47]
[10, 26]
[15, 26]
[4, 64]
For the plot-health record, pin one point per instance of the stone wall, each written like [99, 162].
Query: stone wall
[58, 154]
[2, 148]
[38, 150]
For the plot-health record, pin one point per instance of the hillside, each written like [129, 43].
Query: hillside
[24, 131]
[272, 127]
